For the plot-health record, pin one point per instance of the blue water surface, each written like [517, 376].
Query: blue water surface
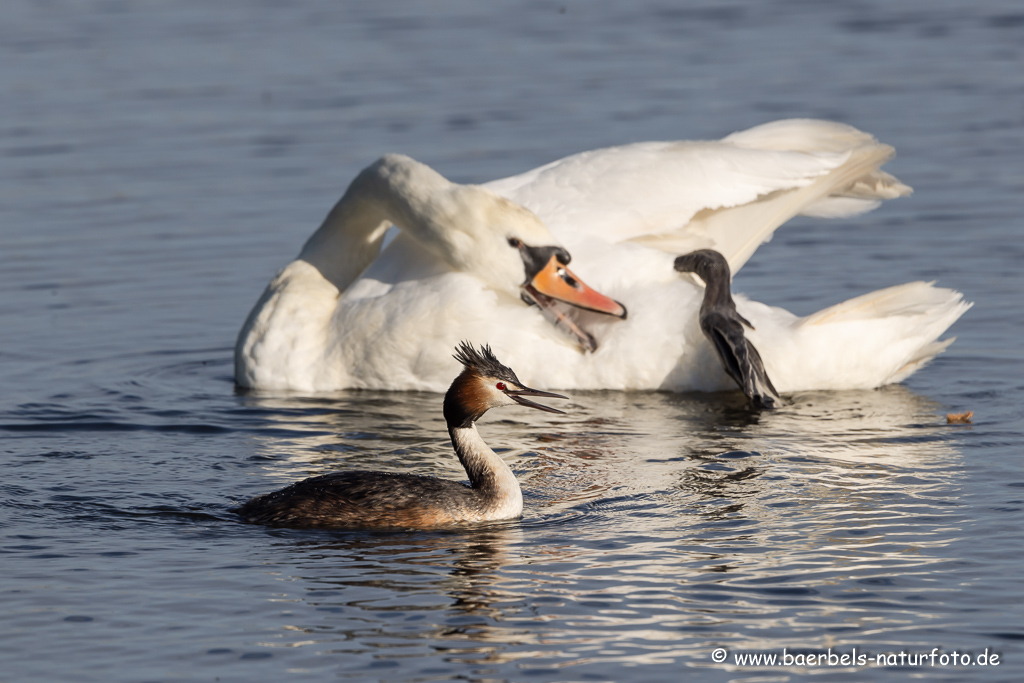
[160, 160]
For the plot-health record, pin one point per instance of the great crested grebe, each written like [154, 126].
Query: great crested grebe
[723, 326]
[386, 499]
[356, 311]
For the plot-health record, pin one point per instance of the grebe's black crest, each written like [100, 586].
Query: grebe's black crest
[471, 394]
[484, 362]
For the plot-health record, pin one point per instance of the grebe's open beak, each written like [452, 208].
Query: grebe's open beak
[556, 281]
[518, 394]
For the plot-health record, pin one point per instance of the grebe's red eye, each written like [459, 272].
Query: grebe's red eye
[500, 386]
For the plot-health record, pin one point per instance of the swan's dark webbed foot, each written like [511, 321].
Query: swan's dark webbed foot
[723, 326]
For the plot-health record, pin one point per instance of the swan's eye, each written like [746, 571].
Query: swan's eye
[513, 242]
[500, 386]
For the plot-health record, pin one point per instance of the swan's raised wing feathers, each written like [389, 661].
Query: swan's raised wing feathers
[727, 195]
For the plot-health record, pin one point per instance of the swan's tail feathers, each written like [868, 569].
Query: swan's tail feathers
[845, 180]
[907, 300]
[924, 355]
[887, 335]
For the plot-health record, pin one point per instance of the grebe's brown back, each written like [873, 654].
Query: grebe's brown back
[384, 499]
[722, 324]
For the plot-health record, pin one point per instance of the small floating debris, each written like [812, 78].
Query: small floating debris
[959, 418]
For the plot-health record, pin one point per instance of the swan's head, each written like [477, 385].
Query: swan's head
[485, 383]
[508, 247]
[475, 231]
[707, 264]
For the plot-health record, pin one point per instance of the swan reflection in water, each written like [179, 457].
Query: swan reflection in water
[649, 518]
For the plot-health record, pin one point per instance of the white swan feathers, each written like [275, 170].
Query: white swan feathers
[468, 262]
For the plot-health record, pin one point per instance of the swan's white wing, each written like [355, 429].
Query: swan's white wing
[728, 195]
[622, 193]
[360, 311]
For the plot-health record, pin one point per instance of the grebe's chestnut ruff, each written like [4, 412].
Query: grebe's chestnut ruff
[723, 326]
[392, 500]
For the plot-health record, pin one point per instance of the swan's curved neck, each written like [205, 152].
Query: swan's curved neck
[487, 472]
[394, 189]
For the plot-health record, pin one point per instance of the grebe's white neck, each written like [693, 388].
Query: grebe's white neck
[488, 473]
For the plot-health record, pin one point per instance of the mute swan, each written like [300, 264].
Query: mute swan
[349, 314]
[385, 499]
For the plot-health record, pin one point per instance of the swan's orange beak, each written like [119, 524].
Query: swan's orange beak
[558, 282]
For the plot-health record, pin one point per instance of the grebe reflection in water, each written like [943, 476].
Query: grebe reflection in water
[385, 499]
